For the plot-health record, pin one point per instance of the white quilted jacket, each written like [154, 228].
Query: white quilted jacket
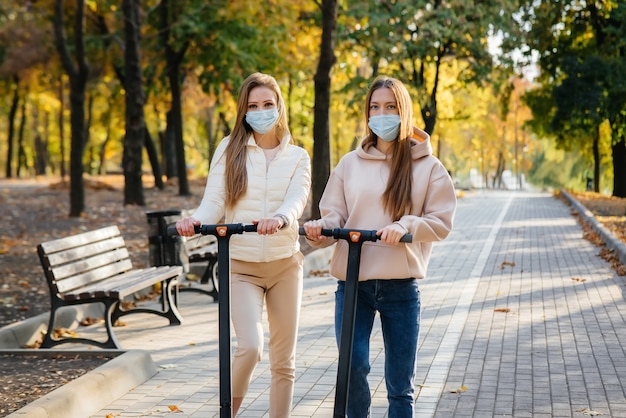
[283, 188]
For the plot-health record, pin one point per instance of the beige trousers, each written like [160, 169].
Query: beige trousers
[279, 283]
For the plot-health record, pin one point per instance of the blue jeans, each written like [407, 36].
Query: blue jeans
[398, 302]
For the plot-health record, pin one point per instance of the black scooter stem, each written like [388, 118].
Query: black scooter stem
[355, 239]
[223, 233]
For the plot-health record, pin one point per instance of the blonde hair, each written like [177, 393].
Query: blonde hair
[397, 195]
[236, 175]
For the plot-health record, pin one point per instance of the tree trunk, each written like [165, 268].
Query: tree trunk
[596, 161]
[62, 169]
[149, 144]
[153, 156]
[89, 149]
[619, 167]
[41, 144]
[78, 81]
[135, 121]
[321, 124]
[168, 147]
[177, 130]
[103, 146]
[14, 106]
[21, 154]
[497, 178]
[173, 61]
[77, 149]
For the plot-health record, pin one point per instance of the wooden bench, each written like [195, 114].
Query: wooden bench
[200, 249]
[95, 267]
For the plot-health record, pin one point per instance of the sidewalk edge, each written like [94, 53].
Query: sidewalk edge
[95, 390]
[612, 242]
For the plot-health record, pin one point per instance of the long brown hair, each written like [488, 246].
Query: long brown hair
[236, 175]
[397, 195]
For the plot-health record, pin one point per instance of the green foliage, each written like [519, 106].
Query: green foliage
[581, 55]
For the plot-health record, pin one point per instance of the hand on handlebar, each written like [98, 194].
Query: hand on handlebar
[267, 226]
[391, 234]
[186, 226]
[313, 230]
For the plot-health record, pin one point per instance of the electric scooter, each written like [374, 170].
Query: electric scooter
[223, 233]
[355, 239]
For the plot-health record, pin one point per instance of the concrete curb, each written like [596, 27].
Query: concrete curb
[318, 260]
[28, 331]
[95, 390]
[612, 242]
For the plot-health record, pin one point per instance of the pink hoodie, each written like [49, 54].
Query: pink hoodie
[353, 199]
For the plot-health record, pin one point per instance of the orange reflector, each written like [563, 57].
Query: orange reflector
[354, 236]
[221, 231]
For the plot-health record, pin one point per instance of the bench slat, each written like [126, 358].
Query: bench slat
[130, 283]
[89, 250]
[64, 271]
[93, 276]
[111, 283]
[78, 240]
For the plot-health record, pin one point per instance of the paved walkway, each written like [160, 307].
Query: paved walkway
[520, 318]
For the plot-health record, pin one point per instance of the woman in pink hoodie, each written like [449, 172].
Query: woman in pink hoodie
[391, 183]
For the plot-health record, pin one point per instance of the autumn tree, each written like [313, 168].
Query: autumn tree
[581, 49]
[412, 39]
[77, 70]
[321, 124]
[23, 37]
[135, 122]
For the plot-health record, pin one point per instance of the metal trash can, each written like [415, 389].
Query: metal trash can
[165, 250]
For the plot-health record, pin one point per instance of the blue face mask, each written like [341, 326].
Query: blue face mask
[386, 127]
[262, 121]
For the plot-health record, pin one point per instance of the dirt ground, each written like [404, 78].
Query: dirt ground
[37, 211]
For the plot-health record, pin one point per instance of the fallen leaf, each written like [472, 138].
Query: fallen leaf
[126, 305]
[507, 263]
[459, 390]
[174, 408]
[168, 366]
[502, 310]
[90, 321]
[578, 279]
[586, 411]
[192, 277]
[63, 333]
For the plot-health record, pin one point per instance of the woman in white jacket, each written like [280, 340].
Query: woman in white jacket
[258, 176]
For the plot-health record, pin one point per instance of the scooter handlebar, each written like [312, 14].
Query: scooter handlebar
[349, 234]
[217, 229]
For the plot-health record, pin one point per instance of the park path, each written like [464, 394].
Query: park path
[520, 318]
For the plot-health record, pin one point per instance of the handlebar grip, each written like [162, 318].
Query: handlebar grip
[250, 228]
[325, 232]
[407, 238]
